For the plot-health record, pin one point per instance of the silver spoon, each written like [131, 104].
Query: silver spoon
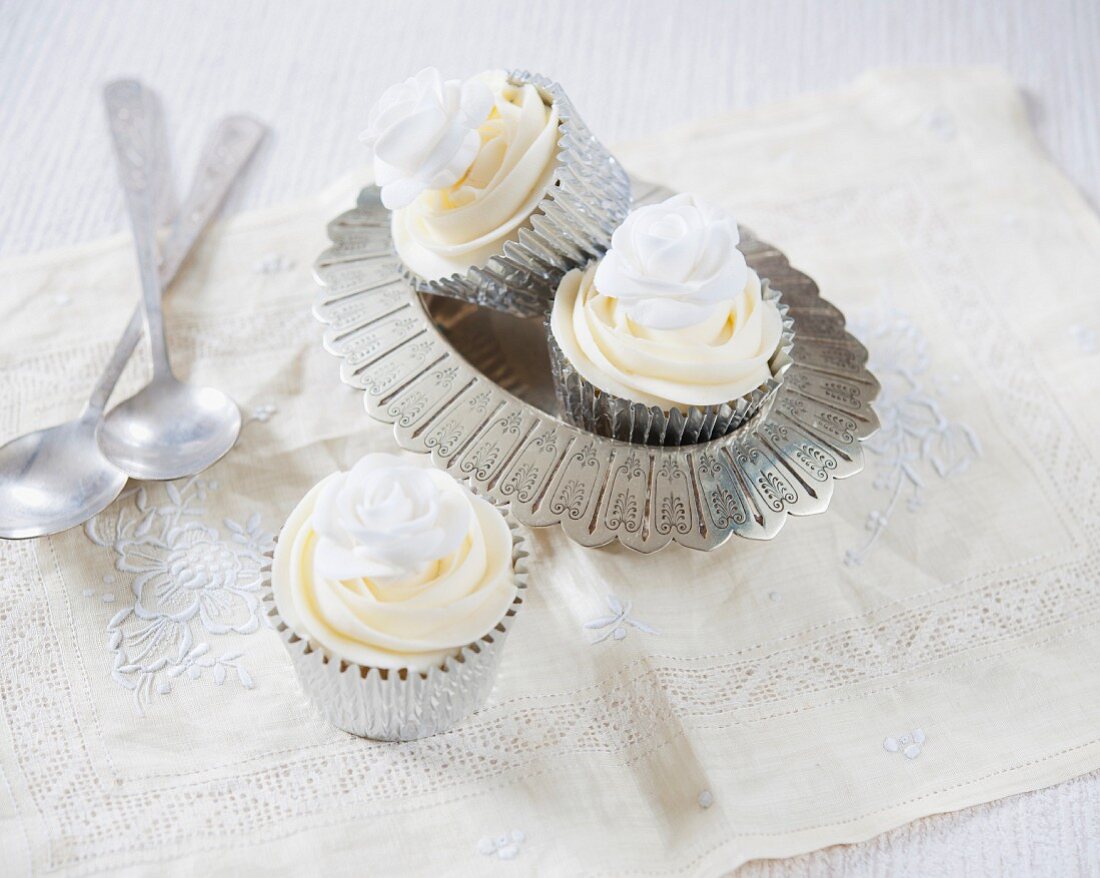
[57, 478]
[169, 428]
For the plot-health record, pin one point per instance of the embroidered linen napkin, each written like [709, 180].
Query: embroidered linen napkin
[927, 644]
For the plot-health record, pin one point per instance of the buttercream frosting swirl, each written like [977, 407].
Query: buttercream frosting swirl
[423, 134]
[448, 229]
[672, 316]
[393, 565]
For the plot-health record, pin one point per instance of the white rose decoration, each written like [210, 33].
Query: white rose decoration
[423, 134]
[385, 518]
[448, 229]
[672, 316]
[393, 565]
[672, 264]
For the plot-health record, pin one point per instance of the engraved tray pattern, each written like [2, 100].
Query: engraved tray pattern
[468, 386]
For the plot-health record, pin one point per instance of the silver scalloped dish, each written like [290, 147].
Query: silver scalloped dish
[472, 387]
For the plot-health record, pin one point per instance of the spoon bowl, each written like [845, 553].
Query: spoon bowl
[54, 479]
[169, 429]
[57, 478]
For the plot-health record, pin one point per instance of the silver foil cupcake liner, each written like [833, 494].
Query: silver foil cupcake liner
[401, 705]
[584, 405]
[587, 198]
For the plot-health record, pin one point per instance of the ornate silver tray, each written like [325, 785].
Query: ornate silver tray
[472, 387]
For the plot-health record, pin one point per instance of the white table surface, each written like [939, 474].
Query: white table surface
[633, 68]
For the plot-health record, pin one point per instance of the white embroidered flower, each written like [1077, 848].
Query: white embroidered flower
[1086, 337]
[273, 263]
[264, 413]
[193, 590]
[423, 134]
[504, 847]
[673, 263]
[387, 517]
[910, 744]
[193, 573]
[915, 434]
[616, 624]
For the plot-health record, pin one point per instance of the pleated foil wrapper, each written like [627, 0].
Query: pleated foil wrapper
[401, 705]
[587, 198]
[584, 405]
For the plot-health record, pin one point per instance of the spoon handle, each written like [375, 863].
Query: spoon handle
[137, 124]
[227, 152]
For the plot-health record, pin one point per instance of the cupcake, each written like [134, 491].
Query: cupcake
[496, 186]
[671, 338]
[393, 588]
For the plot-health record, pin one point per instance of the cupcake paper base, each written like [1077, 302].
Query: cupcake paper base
[584, 405]
[586, 200]
[401, 705]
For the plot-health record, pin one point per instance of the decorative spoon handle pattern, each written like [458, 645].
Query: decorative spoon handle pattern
[227, 152]
[137, 124]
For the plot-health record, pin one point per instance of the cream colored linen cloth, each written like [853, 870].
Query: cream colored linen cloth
[928, 643]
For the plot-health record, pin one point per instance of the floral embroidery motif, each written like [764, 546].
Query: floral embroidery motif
[504, 847]
[263, 413]
[910, 745]
[273, 263]
[188, 585]
[618, 620]
[915, 436]
[1086, 338]
[941, 124]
